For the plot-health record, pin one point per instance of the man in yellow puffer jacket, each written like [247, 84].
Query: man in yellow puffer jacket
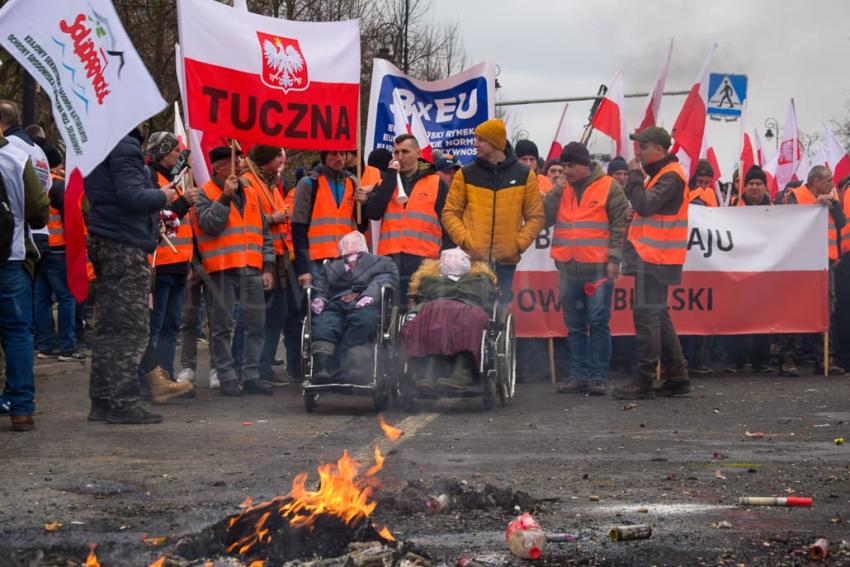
[493, 209]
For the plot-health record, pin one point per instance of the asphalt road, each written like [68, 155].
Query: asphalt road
[676, 464]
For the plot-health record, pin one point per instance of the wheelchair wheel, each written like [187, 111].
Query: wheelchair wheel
[306, 359]
[506, 355]
[310, 401]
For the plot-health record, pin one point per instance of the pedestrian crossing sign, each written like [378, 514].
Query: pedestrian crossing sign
[727, 94]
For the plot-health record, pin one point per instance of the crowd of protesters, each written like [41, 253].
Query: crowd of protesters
[229, 260]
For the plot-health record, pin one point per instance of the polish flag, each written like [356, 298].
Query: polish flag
[790, 151]
[690, 125]
[769, 168]
[197, 157]
[653, 101]
[836, 156]
[746, 160]
[759, 153]
[270, 81]
[179, 128]
[802, 168]
[407, 120]
[563, 136]
[610, 118]
[707, 153]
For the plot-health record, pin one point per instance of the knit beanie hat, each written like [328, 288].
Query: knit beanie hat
[575, 152]
[617, 164]
[704, 169]
[755, 172]
[527, 148]
[160, 144]
[380, 158]
[493, 131]
[261, 155]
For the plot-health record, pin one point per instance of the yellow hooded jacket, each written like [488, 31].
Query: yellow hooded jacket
[494, 211]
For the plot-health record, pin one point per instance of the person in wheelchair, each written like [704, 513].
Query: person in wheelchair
[346, 311]
[441, 336]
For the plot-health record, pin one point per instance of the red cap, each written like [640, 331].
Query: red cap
[798, 501]
[534, 553]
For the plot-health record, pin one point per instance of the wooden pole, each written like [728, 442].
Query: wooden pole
[826, 353]
[233, 156]
[552, 360]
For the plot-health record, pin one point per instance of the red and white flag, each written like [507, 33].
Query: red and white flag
[563, 135]
[407, 120]
[747, 158]
[179, 128]
[759, 152]
[821, 157]
[610, 117]
[653, 101]
[709, 154]
[790, 150]
[267, 80]
[690, 125]
[836, 156]
[769, 168]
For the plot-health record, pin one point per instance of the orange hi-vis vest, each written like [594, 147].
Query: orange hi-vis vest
[845, 230]
[329, 223]
[805, 197]
[288, 206]
[55, 228]
[705, 194]
[240, 244]
[544, 184]
[371, 176]
[413, 228]
[582, 230]
[662, 239]
[182, 241]
[271, 202]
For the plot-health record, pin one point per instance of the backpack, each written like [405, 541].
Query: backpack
[7, 225]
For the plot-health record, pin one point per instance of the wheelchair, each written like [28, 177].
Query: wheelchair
[382, 383]
[495, 376]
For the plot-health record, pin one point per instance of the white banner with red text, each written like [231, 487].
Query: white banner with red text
[748, 270]
[270, 81]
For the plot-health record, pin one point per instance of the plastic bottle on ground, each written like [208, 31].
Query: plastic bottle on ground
[525, 537]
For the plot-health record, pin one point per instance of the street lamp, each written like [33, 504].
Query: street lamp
[772, 131]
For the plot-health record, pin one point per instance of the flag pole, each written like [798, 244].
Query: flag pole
[552, 360]
[233, 156]
[826, 352]
[359, 159]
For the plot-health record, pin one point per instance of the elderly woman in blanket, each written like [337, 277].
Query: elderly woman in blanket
[452, 300]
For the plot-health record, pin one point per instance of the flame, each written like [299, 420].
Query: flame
[159, 562]
[342, 493]
[391, 432]
[379, 463]
[386, 534]
[256, 564]
[91, 560]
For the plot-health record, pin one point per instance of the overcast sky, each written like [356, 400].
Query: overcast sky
[553, 48]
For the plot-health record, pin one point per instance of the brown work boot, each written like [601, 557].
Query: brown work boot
[163, 389]
[573, 387]
[788, 367]
[22, 423]
[672, 388]
[633, 391]
[598, 387]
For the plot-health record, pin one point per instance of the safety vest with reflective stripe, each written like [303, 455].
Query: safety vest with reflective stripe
[413, 228]
[182, 241]
[271, 202]
[704, 194]
[329, 223]
[55, 228]
[662, 239]
[845, 230]
[544, 184]
[582, 230]
[805, 197]
[240, 244]
[288, 205]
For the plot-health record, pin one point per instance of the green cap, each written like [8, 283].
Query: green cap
[654, 134]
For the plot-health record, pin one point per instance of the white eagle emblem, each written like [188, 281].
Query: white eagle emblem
[284, 66]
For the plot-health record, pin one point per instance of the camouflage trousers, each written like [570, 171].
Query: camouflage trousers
[122, 320]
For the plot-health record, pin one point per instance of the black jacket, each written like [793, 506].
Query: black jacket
[124, 208]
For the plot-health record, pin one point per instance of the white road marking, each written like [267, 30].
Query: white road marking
[409, 425]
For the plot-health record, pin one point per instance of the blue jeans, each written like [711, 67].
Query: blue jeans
[52, 282]
[588, 319]
[505, 279]
[275, 318]
[16, 337]
[165, 318]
